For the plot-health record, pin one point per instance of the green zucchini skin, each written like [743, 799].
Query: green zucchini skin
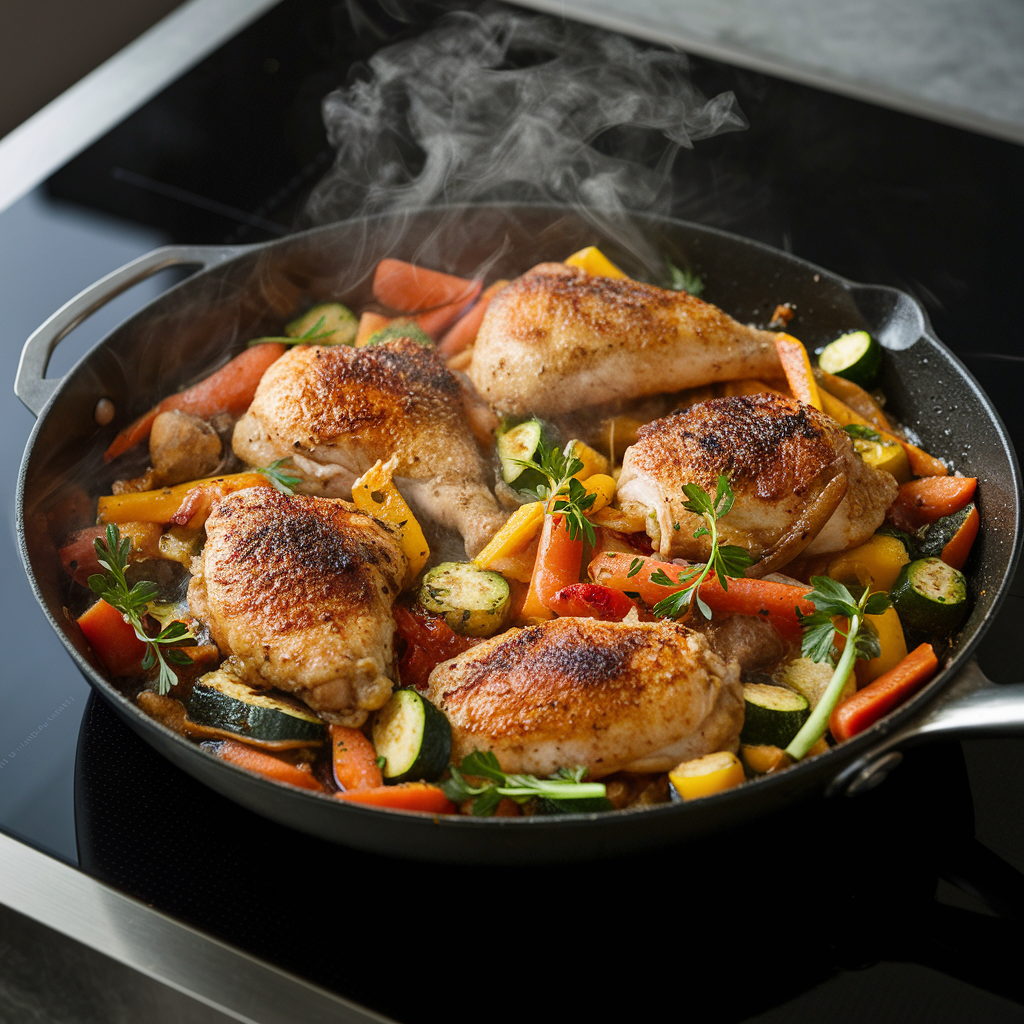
[930, 596]
[856, 356]
[413, 737]
[473, 601]
[773, 715]
[340, 324]
[910, 543]
[932, 539]
[222, 701]
[403, 329]
[520, 443]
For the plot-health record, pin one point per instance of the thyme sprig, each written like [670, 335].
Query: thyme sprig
[563, 492]
[282, 481]
[310, 337]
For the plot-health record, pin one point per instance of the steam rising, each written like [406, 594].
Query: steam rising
[507, 106]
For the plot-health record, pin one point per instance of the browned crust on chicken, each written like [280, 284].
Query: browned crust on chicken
[609, 695]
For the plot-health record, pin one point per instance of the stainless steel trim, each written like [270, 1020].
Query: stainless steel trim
[118, 87]
[161, 948]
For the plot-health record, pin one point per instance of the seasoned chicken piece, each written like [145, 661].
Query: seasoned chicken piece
[335, 411]
[796, 478]
[299, 592]
[640, 696]
[557, 339]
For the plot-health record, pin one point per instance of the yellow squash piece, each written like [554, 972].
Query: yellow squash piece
[893, 644]
[593, 462]
[375, 494]
[521, 527]
[602, 487]
[159, 506]
[709, 774]
[594, 262]
[884, 454]
[875, 564]
[797, 367]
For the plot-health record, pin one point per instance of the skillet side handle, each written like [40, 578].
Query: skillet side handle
[31, 384]
[971, 706]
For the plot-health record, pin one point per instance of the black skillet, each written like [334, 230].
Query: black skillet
[243, 292]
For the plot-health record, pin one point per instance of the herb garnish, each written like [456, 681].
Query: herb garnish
[564, 493]
[861, 432]
[831, 600]
[133, 603]
[284, 482]
[310, 337]
[565, 784]
[726, 559]
[684, 280]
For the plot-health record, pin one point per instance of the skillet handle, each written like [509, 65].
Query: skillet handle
[971, 706]
[31, 384]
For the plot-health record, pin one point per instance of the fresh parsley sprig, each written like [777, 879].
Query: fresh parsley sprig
[133, 603]
[310, 337]
[282, 481]
[564, 493]
[831, 601]
[565, 784]
[727, 560]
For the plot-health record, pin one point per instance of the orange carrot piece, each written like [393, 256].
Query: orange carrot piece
[411, 289]
[369, 325]
[244, 756]
[631, 572]
[558, 564]
[877, 699]
[436, 322]
[797, 367]
[929, 499]
[230, 389]
[464, 333]
[355, 760]
[956, 551]
[409, 796]
[921, 463]
[853, 396]
[113, 639]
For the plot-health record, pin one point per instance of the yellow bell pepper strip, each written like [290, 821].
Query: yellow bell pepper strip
[712, 773]
[594, 262]
[375, 494]
[602, 487]
[593, 461]
[161, 506]
[875, 564]
[797, 367]
[519, 530]
[892, 642]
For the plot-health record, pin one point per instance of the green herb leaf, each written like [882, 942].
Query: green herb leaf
[284, 482]
[684, 280]
[572, 499]
[862, 432]
[634, 567]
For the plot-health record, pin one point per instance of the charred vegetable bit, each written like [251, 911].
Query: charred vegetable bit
[566, 784]
[564, 493]
[282, 481]
[133, 604]
[832, 600]
[727, 560]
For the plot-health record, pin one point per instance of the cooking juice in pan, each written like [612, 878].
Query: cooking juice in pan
[569, 542]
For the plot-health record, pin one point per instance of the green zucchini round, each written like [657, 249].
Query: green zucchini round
[932, 539]
[413, 737]
[516, 445]
[930, 596]
[773, 715]
[473, 601]
[856, 356]
[334, 324]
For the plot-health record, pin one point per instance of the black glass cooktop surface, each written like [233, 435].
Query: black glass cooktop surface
[830, 911]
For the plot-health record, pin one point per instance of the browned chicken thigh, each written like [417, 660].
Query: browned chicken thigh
[335, 411]
[798, 483]
[298, 591]
[641, 696]
[557, 339]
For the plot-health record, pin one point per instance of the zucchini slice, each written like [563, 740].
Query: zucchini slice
[936, 537]
[413, 737]
[811, 678]
[473, 601]
[401, 329]
[339, 325]
[773, 715]
[930, 596]
[855, 356]
[222, 701]
[519, 444]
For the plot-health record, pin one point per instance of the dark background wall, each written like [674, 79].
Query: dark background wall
[48, 45]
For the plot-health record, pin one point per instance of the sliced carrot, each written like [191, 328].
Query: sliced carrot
[162, 506]
[230, 389]
[436, 322]
[853, 396]
[113, 639]
[369, 325]
[464, 333]
[877, 699]
[631, 573]
[797, 367]
[929, 499]
[591, 601]
[271, 767]
[411, 289]
[559, 558]
[956, 551]
[921, 463]
[409, 796]
[354, 759]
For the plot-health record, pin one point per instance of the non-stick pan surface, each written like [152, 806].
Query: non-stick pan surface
[241, 293]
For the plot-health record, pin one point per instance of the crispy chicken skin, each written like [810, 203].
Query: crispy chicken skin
[299, 591]
[335, 411]
[795, 475]
[557, 339]
[611, 695]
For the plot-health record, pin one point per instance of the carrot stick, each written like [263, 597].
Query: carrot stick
[558, 565]
[956, 551]
[631, 572]
[797, 367]
[271, 767]
[437, 321]
[113, 639]
[409, 796]
[411, 289]
[230, 389]
[853, 396]
[369, 325]
[163, 505]
[929, 499]
[464, 333]
[877, 699]
[355, 760]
